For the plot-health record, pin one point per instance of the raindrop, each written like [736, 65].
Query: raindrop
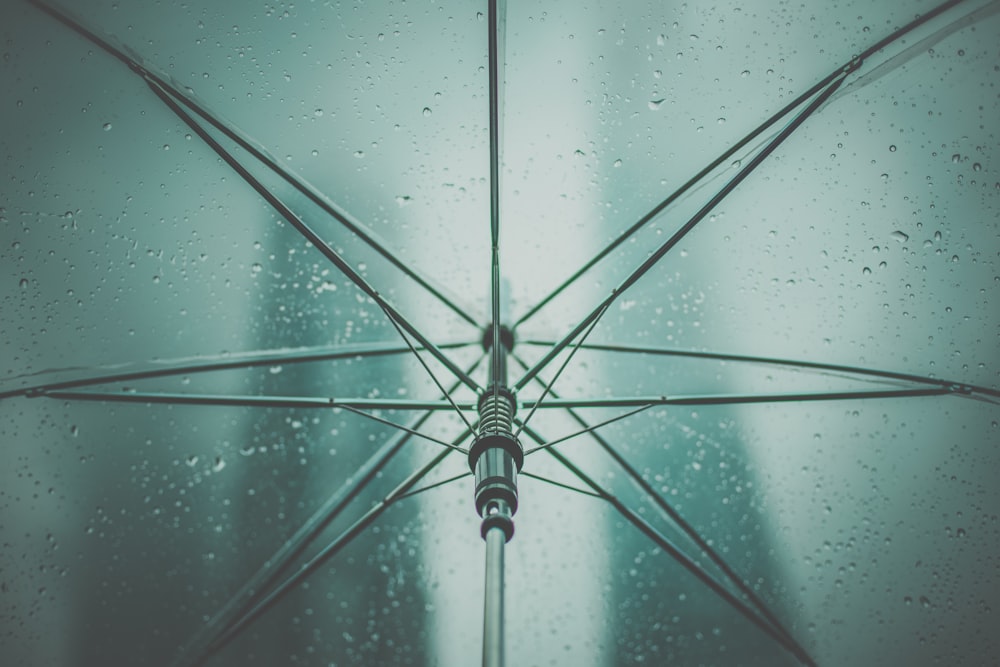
[274, 370]
[654, 105]
[720, 121]
[256, 268]
[902, 237]
[866, 271]
[977, 167]
[884, 177]
[403, 200]
[745, 73]
[661, 39]
[657, 73]
[23, 284]
[219, 464]
[314, 152]
[192, 460]
[166, 147]
[892, 148]
[617, 163]
[956, 158]
[694, 38]
[317, 113]
[74, 430]
[427, 112]
[107, 127]
[961, 52]
[925, 602]
[359, 154]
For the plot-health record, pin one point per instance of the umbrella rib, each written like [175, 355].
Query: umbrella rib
[683, 559]
[588, 428]
[562, 367]
[265, 602]
[258, 152]
[293, 548]
[435, 485]
[351, 405]
[673, 515]
[249, 400]
[568, 487]
[296, 545]
[678, 235]
[310, 235]
[427, 368]
[237, 362]
[960, 388]
[705, 171]
[739, 399]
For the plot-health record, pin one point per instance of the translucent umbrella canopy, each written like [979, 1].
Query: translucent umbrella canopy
[243, 242]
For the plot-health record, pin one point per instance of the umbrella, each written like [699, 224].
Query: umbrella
[740, 260]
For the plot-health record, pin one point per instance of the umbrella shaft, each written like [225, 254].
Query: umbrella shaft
[493, 611]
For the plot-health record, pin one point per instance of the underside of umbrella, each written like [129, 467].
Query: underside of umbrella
[733, 374]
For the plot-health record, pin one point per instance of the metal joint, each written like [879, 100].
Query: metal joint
[496, 457]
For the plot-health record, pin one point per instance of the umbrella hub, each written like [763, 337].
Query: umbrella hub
[496, 457]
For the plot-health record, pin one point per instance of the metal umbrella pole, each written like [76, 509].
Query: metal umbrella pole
[496, 457]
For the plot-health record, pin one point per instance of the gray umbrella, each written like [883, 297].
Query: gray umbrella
[741, 261]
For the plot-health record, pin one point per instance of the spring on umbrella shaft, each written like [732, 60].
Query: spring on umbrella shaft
[496, 411]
